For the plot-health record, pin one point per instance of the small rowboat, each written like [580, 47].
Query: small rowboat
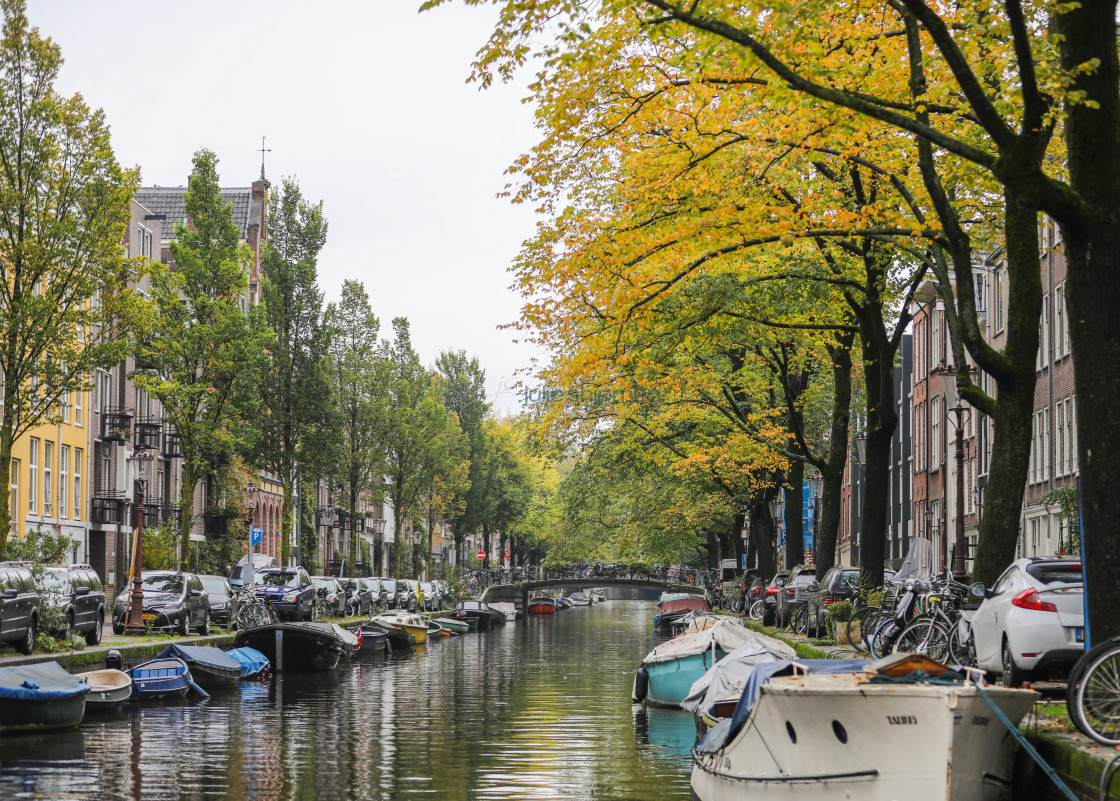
[211, 667]
[457, 626]
[375, 640]
[108, 690]
[415, 625]
[161, 679]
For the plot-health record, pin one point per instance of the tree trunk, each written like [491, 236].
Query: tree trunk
[353, 522]
[793, 497]
[286, 519]
[7, 514]
[186, 515]
[827, 514]
[762, 536]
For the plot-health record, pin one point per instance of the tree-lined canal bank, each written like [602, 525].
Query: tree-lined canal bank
[539, 709]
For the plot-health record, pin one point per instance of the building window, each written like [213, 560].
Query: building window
[106, 469]
[935, 335]
[48, 483]
[77, 483]
[1043, 357]
[1034, 450]
[63, 480]
[33, 477]
[13, 494]
[78, 414]
[978, 283]
[64, 398]
[999, 300]
[934, 427]
[1071, 456]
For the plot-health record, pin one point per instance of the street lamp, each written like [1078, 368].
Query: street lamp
[250, 496]
[136, 601]
[960, 413]
[378, 531]
[816, 487]
[861, 460]
[776, 514]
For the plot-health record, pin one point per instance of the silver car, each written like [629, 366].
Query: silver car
[1032, 621]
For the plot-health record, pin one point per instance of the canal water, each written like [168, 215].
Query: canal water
[538, 709]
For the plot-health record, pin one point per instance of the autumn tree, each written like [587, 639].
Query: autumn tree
[297, 425]
[358, 372]
[201, 351]
[464, 392]
[65, 306]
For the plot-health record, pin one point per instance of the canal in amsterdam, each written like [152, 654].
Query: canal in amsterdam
[537, 709]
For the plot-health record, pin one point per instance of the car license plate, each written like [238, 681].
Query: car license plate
[149, 618]
[1079, 634]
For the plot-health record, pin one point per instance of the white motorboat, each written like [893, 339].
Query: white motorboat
[869, 734]
[580, 598]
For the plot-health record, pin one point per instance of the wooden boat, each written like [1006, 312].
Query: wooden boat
[212, 668]
[436, 631]
[542, 606]
[40, 696]
[374, 640]
[163, 679]
[414, 624]
[351, 642]
[673, 606]
[457, 626]
[295, 646]
[253, 662]
[667, 673]
[480, 613]
[579, 598]
[802, 732]
[108, 690]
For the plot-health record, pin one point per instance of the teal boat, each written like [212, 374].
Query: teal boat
[668, 672]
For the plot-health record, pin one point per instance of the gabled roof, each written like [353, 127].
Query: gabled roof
[168, 202]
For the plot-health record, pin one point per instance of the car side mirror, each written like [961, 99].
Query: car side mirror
[322, 592]
[81, 591]
[10, 593]
[978, 590]
[196, 593]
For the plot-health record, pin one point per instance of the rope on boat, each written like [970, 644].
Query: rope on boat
[1025, 744]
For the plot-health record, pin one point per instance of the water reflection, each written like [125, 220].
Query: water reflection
[536, 710]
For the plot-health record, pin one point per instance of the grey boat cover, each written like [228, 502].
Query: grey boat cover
[726, 635]
[729, 675]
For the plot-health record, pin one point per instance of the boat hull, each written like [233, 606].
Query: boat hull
[875, 742]
[457, 626]
[406, 622]
[294, 646]
[109, 690]
[56, 713]
[160, 679]
[542, 607]
[670, 682]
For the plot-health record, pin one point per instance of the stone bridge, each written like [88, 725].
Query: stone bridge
[519, 593]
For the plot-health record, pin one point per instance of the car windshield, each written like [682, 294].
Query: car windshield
[1056, 572]
[165, 583]
[323, 582]
[277, 579]
[389, 584]
[214, 585]
[54, 582]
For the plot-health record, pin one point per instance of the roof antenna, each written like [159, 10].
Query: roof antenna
[263, 151]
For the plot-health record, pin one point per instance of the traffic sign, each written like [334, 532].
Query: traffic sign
[507, 554]
[255, 535]
[481, 555]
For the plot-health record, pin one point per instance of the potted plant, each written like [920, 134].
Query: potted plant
[836, 618]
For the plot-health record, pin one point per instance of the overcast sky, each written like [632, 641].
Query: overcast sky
[366, 104]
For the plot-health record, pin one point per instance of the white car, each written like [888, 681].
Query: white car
[1032, 621]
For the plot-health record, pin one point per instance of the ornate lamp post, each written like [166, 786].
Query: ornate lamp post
[135, 623]
[250, 493]
[861, 460]
[776, 513]
[816, 487]
[378, 532]
[960, 413]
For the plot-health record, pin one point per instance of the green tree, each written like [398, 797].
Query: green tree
[297, 423]
[64, 208]
[200, 354]
[464, 392]
[358, 375]
[445, 474]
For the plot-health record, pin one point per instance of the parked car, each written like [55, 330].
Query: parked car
[223, 600]
[172, 600]
[800, 578]
[773, 588]
[289, 590]
[392, 592]
[380, 593]
[1032, 621]
[359, 598]
[443, 592]
[19, 606]
[431, 597]
[839, 583]
[260, 561]
[76, 591]
[408, 590]
[335, 595]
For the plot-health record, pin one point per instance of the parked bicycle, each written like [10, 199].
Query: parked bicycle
[253, 610]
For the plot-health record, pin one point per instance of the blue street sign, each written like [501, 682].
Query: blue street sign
[744, 558]
[255, 534]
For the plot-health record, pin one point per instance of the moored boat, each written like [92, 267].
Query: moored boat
[40, 696]
[253, 662]
[414, 624]
[295, 646]
[542, 605]
[670, 607]
[562, 602]
[668, 672]
[163, 679]
[349, 640]
[579, 598]
[374, 639]
[597, 597]
[477, 611]
[801, 731]
[108, 689]
[457, 626]
[210, 667]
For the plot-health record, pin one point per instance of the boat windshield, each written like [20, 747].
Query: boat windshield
[277, 578]
[164, 583]
[918, 563]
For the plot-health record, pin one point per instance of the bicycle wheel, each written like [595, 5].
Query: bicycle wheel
[861, 624]
[737, 604]
[959, 652]
[758, 611]
[799, 621]
[1094, 699]
[883, 639]
[926, 637]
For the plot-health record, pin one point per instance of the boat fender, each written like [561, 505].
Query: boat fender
[196, 689]
[641, 685]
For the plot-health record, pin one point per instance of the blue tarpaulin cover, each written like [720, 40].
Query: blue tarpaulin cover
[204, 656]
[252, 661]
[41, 681]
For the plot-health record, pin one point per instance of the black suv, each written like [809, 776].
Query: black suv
[839, 583]
[770, 596]
[19, 606]
[800, 578]
[78, 593]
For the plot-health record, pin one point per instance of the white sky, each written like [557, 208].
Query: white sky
[366, 104]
